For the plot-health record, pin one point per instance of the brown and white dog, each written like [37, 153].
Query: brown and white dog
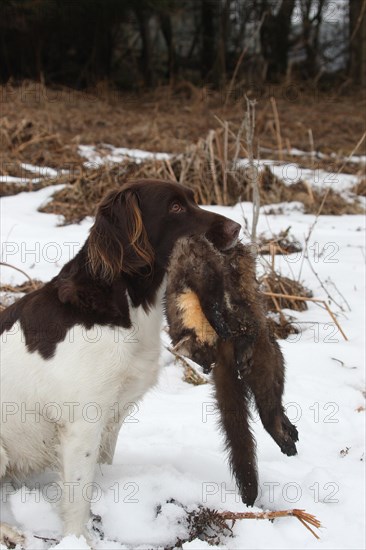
[90, 339]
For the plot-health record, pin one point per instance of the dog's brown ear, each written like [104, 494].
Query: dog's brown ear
[142, 251]
[118, 241]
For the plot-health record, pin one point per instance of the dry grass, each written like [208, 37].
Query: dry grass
[194, 169]
[212, 526]
[28, 140]
[43, 127]
[360, 188]
[281, 244]
[278, 284]
[273, 191]
[171, 118]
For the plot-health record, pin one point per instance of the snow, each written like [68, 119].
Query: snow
[171, 448]
[116, 154]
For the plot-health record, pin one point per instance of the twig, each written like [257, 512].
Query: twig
[213, 167]
[275, 301]
[278, 127]
[253, 174]
[305, 518]
[358, 23]
[339, 171]
[330, 298]
[312, 148]
[36, 139]
[20, 271]
[46, 539]
[192, 374]
[170, 169]
[226, 137]
[241, 57]
[312, 227]
[274, 295]
[330, 282]
[237, 137]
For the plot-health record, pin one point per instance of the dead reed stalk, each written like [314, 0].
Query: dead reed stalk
[305, 518]
[275, 295]
[277, 128]
[253, 173]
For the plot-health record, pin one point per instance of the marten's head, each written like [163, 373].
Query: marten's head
[208, 297]
[195, 299]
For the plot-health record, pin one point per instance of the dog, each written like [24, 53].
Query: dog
[216, 317]
[90, 339]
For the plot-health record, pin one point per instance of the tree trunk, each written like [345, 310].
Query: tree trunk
[357, 18]
[167, 30]
[146, 54]
[275, 33]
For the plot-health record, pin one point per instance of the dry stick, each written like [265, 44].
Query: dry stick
[278, 128]
[312, 149]
[277, 305]
[221, 157]
[20, 271]
[272, 250]
[241, 57]
[340, 294]
[186, 365]
[301, 515]
[274, 295]
[288, 145]
[170, 169]
[36, 139]
[226, 137]
[213, 167]
[330, 298]
[358, 23]
[237, 137]
[46, 539]
[253, 173]
[305, 256]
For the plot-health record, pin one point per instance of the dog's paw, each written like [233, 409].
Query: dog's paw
[11, 537]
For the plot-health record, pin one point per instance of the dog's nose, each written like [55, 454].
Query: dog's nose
[232, 231]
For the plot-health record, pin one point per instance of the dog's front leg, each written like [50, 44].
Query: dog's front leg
[79, 448]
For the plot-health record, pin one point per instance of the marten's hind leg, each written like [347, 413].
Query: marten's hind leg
[232, 400]
[266, 380]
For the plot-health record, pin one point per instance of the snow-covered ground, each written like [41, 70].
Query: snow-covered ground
[171, 448]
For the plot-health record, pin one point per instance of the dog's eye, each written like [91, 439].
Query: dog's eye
[176, 207]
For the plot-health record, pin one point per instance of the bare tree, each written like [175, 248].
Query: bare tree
[357, 42]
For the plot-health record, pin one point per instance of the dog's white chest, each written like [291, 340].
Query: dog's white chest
[97, 371]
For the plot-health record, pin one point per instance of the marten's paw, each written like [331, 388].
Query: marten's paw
[289, 437]
[287, 446]
[290, 429]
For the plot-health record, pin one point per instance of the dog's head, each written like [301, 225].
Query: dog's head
[137, 226]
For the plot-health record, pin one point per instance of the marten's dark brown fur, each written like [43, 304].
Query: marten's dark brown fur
[215, 316]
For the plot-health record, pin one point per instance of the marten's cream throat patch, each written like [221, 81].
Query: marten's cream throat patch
[194, 318]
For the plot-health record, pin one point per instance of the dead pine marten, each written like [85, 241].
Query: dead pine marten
[216, 317]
